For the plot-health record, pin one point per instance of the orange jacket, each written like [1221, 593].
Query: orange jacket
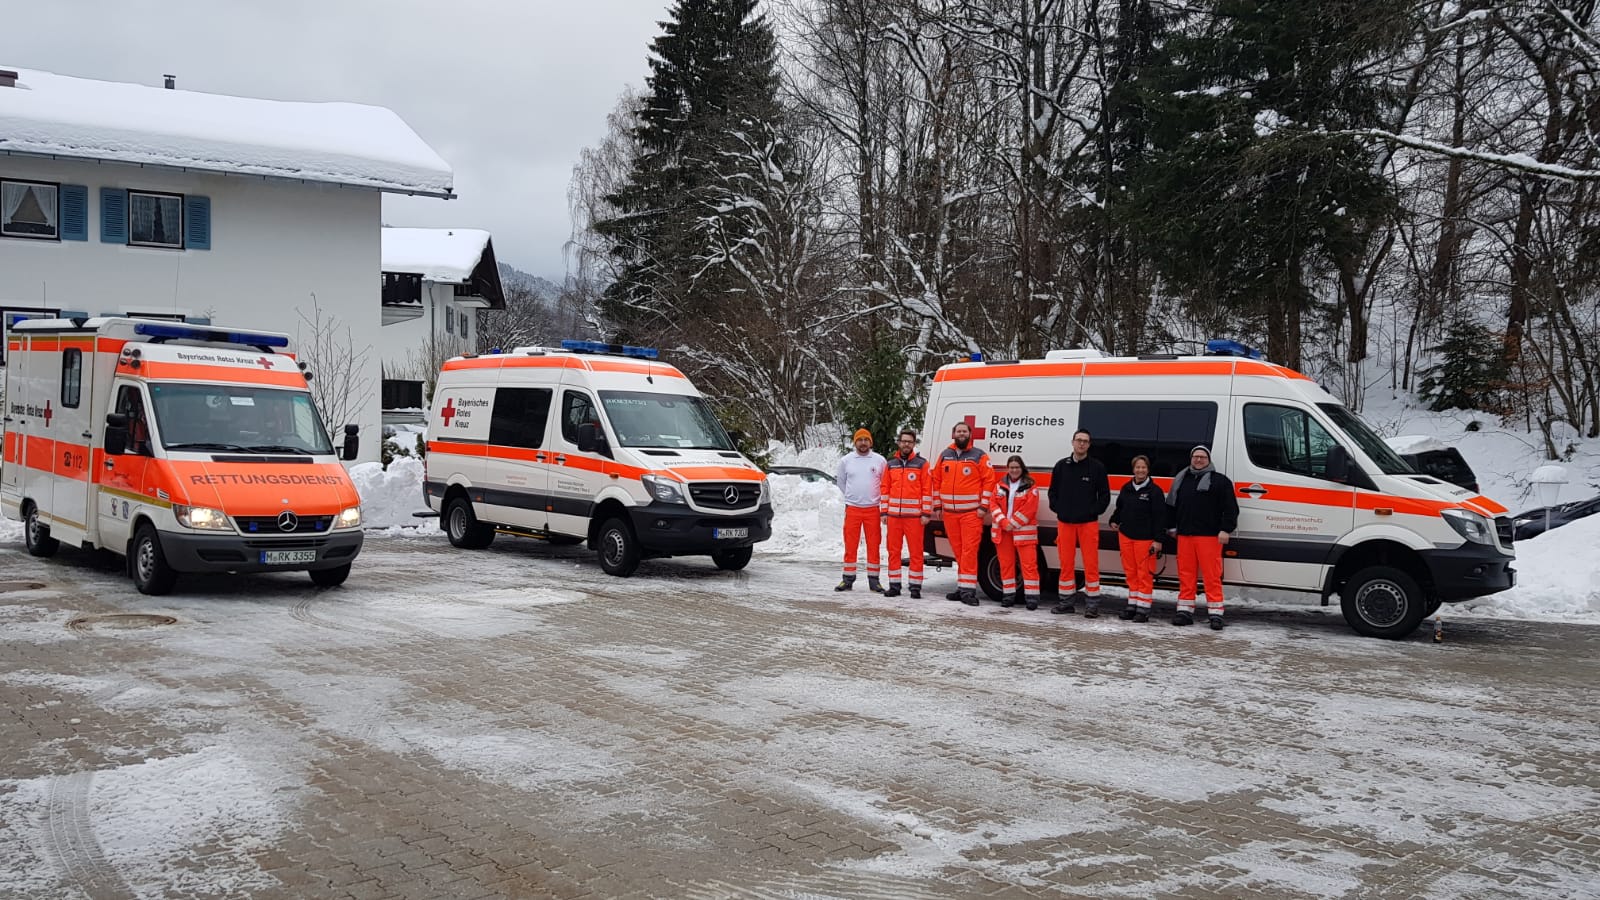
[963, 481]
[907, 491]
[1024, 516]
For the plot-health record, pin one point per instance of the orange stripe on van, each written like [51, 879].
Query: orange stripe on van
[728, 473]
[632, 368]
[217, 374]
[1487, 506]
[458, 448]
[1180, 368]
[1010, 370]
[507, 361]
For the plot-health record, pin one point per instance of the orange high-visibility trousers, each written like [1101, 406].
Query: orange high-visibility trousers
[1139, 569]
[966, 533]
[1010, 551]
[1071, 536]
[906, 530]
[1200, 556]
[861, 522]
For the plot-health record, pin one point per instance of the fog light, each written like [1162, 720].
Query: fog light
[1477, 571]
[661, 523]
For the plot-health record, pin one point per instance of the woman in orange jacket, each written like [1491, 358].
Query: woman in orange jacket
[1014, 518]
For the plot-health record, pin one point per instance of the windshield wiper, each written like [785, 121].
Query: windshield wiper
[278, 448]
[208, 445]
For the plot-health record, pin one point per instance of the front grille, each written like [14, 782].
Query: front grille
[714, 494]
[1502, 527]
[269, 525]
[286, 543]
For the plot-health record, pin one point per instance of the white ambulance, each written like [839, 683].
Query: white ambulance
[185, 448]
[1325, 506]
[592, 442]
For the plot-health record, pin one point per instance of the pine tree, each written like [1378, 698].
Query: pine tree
[877, 400]
[713, 77]
[1470, 370]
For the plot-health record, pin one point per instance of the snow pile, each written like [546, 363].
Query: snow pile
[446, 255]
[390, 496]
[335, 143]
[807, 518]
[1415, 443]
[1557, 577]
[10, 531]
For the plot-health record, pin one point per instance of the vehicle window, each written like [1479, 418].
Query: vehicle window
[71, 377]
[576, 409]
[238, 417]
[642, 419]
[519, 417]
[1286, 439]
[1362, 435]
[130, 403]
[1164, 430]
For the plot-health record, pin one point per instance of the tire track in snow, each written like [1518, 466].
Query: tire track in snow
[70, 839]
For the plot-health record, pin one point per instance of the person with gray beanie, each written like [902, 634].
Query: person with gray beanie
[1205, 514]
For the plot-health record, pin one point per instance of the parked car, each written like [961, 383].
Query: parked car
[1429, 456]
[806, 473]
[1527, 524]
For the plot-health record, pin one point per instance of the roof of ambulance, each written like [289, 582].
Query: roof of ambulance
[1089, 366]
[600, 366]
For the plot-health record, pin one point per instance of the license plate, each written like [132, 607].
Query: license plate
[723, 533]
[287, 557]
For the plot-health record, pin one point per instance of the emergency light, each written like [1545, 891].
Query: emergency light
[1231, 348]
[164, 331]
[613, 349]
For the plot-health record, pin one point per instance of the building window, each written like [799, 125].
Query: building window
[155, 220]
[30, 209]
[71, 377]
[463, 324]
[449, 321]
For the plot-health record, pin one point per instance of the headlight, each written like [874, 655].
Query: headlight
[765, 492]
[662, 490]
[350, 518]
[203, 518]
[1469, 525]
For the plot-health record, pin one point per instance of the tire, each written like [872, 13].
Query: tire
[330, 578]
[462, 527]
[36, 534]
[989, 572]
[1433, 606]
[148, 565]
[732, 560]
[618, 548]
[1383, 602]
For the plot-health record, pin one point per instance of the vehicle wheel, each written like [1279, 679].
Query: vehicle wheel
[461, 525]
[36, 534]
[151, 574]
[989, 571]
[1433, 606]
[619, 549]
[1383, 602]
[327, 578]
[732, 560]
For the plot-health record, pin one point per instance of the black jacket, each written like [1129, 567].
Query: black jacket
[1141, 512]
[1079, 491]
[1198, 512]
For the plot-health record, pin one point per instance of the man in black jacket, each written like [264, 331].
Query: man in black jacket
[1079, 493]
[1205, 513]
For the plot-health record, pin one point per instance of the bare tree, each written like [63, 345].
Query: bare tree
[340, 382]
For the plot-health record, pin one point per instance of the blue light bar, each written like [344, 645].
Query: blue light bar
[1231, 348]
[193, 333]
[613, 349]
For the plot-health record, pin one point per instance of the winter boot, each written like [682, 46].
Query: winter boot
[848, 584]
[916, 592]
[1141, 617]
[1091, 610]
[873, 585]
[1216, 623]
[893, 591]
[953, 595]
[1062, 608]
[1007, 601]
[1033, 603]
[970, 598]
[1127, 613]
[1183, 617]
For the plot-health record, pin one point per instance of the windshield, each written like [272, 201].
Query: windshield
[238, 418]
[1389, 462]
[663, 420]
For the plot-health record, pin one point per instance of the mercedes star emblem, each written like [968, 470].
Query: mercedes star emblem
[288, 521]
[731, 494]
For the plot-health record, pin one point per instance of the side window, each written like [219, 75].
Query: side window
[576, 409]
[1164, 430]
[1285, 439]
[519, 417]
[131, 404]
[71, 377]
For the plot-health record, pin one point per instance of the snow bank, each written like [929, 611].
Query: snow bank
[1557, 578]
[1415, 443]
[807, 517]
[390, 496]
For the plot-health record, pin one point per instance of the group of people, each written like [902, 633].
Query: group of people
[962, 488]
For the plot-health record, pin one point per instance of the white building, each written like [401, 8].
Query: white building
[122, 198]
[435, 280]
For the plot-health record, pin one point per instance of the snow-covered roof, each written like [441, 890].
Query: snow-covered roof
[334, 143]
[446, 255]
[1414, 443]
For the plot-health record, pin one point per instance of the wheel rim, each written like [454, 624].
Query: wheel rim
[458, 522]
[1381, 603]
[145, 560]
[33, 528]
[615, 544]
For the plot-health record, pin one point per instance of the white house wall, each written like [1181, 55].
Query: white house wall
[274, 244]
[404, 346]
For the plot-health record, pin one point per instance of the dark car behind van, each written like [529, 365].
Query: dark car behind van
[1445, 464]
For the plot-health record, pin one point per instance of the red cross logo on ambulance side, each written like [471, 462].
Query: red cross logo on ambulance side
[47, 414]
[264, 363]
[977, 433]
[449, 411]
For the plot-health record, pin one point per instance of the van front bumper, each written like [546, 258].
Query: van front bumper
[670, 530]
[235, 553]
[1471, 570]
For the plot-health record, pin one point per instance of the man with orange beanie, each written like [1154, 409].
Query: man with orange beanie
[907, 503]
[963, 485]
[860, 480]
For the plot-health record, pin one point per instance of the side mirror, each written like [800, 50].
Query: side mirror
[591, 439]
[116, 439]
[352, 442]
[737, 437]
[1338, 464]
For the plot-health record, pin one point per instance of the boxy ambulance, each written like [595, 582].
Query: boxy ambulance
[1325, 506]
[184, 448]
[592, 442]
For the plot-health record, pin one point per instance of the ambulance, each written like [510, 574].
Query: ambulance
[591, 442]
[184, 448]
[1325, 506]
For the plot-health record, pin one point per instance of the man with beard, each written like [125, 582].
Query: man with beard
[963, 485]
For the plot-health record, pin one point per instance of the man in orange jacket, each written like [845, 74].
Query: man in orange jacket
[906, 505]
[963, 485]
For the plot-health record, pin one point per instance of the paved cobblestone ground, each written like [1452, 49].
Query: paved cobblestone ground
[513, 723]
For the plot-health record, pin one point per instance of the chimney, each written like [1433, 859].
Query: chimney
[8, 78]
[171, 81]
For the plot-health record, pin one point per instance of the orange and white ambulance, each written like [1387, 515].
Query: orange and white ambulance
[1325, 506]
[592, 442]
[185, 448]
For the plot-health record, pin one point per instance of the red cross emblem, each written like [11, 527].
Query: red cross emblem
[449, 411]
[977, 433]
[47, 414]
[264, 362]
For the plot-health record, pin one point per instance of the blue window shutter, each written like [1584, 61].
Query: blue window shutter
[74, 212]
[113, 216]
[197, 222]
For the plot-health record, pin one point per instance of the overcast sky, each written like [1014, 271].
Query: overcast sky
[507, 91]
